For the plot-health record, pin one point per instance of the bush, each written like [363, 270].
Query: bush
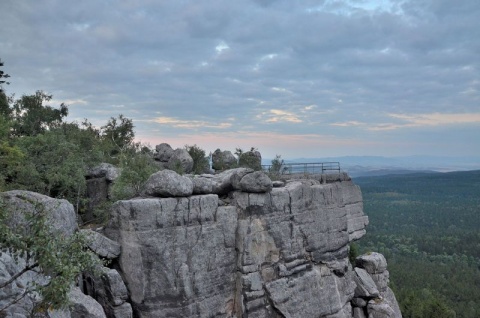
[136, 168]
[250, 159]
[201, 163]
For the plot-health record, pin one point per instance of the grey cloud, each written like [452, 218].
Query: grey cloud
[160, 56]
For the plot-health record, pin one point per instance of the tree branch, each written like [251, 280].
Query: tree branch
[17, 275]
[13, 302]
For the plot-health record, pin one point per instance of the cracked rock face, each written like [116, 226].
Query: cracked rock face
[279, 253]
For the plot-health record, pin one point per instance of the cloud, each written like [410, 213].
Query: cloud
[189, 124]
[297, 66]
[352, 123]
[428, 120]
[277, 116]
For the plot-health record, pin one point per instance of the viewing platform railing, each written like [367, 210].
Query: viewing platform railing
[305, 168]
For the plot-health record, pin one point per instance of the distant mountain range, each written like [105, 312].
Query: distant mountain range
[376, 165]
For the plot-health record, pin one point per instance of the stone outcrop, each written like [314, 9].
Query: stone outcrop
[100, 180]
[223, 160]
[177, 160]
[251, 159]
[60, 213]
[232, 250]
[62, 220]
[373, 296]
[101, 245]
[108, 289]
[233, 244]
[167, 183]
[180, 161]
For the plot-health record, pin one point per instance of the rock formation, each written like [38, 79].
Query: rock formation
[234, 245]
[62, 219]
[239, 248]
[251, 159]
[223, 160]
[178, 160]
[99, 183]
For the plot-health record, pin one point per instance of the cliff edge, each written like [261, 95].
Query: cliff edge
[246, 249]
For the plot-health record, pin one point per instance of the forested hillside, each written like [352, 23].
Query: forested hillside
[427, 225]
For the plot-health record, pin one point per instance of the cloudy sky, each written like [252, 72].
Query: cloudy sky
[300, 78]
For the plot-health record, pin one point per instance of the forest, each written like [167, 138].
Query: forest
[427, 226]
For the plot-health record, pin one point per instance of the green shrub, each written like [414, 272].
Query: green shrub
[201, 163]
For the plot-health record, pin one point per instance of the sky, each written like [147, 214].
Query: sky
[298, 78]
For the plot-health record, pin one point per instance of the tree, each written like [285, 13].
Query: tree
[277, 167]
[201, 163]
[119, 133]
[4, 106]
[3, 76]
[52, 166]
[31, 117]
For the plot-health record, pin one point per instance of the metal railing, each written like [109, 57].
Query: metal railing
[305, 168]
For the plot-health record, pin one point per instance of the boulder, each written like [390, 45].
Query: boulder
[101, 245]
[60, 213]
[168, 183]
[378, 308]
[373, 263]
[278, 184]
[163, 152]
[109, 171]
[203, 184]
[84, 306]
[221, 183]
[256, 182]
[223, 160]
[366, 287]
[115, 288]
[180, 161]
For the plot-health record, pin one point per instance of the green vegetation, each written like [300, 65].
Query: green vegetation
[41, 152]
[277, 168]
[250, 159]
[201, 163]
[427, 226]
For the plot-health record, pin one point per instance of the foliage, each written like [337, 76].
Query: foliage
[425, 303]
[31, 117]
[201, 163]
[277, 167]
[353, 252]
[51, 165]
[249, 159]
[427, 227]
[4, 107]
[136, 167]
[3, 76]
[119, 134]
[45, 251]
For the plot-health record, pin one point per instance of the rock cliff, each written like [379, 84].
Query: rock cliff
[241, 252]
[232, 244]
